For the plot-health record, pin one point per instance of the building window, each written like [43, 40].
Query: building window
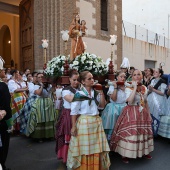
[149, 64]
[104, 15]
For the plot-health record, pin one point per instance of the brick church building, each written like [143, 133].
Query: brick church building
[24, 23]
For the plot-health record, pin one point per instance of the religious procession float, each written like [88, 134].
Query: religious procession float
[57, 69]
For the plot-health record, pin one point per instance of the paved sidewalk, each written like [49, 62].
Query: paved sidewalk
[27, 154]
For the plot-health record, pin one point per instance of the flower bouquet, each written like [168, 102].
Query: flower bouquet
[89, 62]
[55, 67]
[83, 62]
[92, 63]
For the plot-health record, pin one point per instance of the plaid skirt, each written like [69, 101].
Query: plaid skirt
[25, 113]
[133, 136]
[42, 115]
[90, 142]
[17, 102]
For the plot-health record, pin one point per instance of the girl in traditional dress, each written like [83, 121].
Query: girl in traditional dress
[117, 102]
[88, 147]
[18, 97]
[42, 118]
[63, 126]
[156, 99]
[164, 126]
[133, 136]
[26, 110]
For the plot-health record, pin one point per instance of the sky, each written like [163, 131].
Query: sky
[149, 14]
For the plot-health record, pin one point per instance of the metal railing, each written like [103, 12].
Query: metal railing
[137, 32]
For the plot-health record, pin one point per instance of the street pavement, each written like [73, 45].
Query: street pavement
[27, 154]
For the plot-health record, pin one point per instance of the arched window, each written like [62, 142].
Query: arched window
[104, 15]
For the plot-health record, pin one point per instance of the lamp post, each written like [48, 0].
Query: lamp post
[45, 46]
[65, 38]
[113, 39]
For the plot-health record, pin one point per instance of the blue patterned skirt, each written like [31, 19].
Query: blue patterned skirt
[156, 104]
[164, 126]
[109, 117]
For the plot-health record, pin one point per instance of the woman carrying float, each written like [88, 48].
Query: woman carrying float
[88, 147]
[63, 126]
[132, 136]
[117, 102]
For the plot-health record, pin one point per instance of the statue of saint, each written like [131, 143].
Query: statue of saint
[76, 31]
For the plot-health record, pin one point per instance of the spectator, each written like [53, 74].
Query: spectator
[8, 74]
[5, 118]
[148, 77]
[29, 78]
[125, 66]
[131, 70]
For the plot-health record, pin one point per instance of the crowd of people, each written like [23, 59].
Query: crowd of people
[137, 110]
[26, 107]
[87, 120]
